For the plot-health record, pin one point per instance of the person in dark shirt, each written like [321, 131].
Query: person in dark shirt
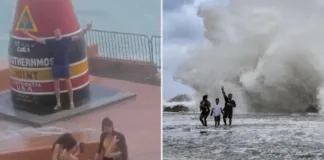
[59, 48]
[228, 108]
[204, 109]
[112, 144]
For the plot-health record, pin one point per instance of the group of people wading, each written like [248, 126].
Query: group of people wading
[217, 110]
[112, 145]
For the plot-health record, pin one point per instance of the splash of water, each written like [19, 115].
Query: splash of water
[269, 54]
[189, 104]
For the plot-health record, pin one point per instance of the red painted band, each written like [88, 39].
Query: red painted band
[48, 15]
[43, 87]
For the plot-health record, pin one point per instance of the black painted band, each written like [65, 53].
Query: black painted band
[30, 54]
[48, 101]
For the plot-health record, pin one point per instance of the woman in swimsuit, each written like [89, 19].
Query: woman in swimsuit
[112, 145]
[66, 148]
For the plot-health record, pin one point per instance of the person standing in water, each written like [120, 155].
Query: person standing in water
[216, 112]
[112, 144]
[229, 106]
[204, 109]
[59, 48]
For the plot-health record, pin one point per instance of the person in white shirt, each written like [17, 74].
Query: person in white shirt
[216, 112]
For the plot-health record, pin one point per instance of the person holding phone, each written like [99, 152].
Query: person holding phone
[112, 144]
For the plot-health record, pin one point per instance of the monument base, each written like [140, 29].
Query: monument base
[44, 104]
[100, 96]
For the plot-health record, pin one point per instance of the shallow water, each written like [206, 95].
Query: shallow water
[15, 130]
[252, 137]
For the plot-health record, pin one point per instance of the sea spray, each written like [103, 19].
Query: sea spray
[269, 54]
[190, 104]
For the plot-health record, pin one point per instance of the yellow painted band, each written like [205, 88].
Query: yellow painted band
[37, 74]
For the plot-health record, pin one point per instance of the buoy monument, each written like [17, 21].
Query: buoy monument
[32, 62]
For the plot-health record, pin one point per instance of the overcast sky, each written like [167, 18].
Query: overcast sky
[181, 28]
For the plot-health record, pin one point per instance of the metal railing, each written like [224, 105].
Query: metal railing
[126, 46]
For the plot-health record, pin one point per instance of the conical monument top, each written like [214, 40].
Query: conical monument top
[41, 17]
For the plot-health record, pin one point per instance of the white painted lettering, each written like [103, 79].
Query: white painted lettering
[23, 49]
[31, 62]
[24, 89]
[26, 86]
[23, 62]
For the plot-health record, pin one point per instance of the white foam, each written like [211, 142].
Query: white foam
[250, 135]
[13, 131]
[262, 51]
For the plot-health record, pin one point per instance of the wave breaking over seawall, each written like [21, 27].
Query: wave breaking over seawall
[269, 54]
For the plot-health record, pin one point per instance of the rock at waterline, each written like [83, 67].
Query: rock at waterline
[312, 109]
[167, 109]
[177, 108]
[180, 98]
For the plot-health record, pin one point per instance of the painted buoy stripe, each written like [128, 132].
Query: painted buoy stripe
[34, 74]
[30, 54]
[29, 39]
[50, 93]
[42, 81]
[46, 68]
[33, 87]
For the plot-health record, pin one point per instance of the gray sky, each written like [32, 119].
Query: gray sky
[181, 28]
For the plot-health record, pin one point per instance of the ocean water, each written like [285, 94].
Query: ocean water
[140, 16]
[253, 137]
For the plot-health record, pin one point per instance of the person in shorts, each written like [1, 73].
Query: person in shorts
[229, 107]
[59, 48]
[216, 112]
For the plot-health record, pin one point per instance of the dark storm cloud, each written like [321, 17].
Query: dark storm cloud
[174, 5]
